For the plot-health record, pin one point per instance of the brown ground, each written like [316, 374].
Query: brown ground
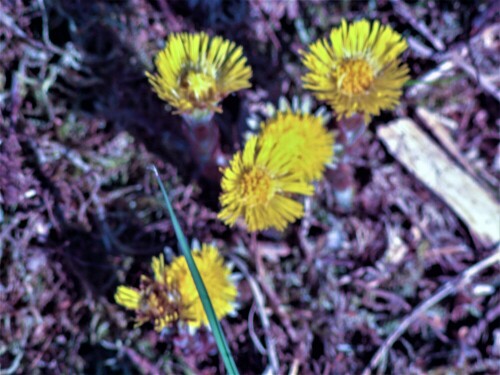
[80, 213]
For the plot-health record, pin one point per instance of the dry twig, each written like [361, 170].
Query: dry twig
[266, 325]
[451, 287]
[474, 73]
[405, 12]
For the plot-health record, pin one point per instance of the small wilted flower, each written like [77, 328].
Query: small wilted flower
[357, 69]
[196, 71]
[307, 139]
[158, 300]
[217, 278]
[172, 297]
[258, 183]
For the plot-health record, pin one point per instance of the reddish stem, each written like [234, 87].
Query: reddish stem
[203, 137]
[342, 176]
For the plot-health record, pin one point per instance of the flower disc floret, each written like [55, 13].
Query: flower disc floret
[357, 69]
[258, 183]
[196, 71]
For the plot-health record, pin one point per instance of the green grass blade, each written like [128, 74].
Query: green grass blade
[220, 339]
[436, 82]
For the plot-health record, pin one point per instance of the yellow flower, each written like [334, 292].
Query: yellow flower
[357, 69]
[310, 143]
[156, 300]
[257, 183]
[195, 72]
[172, 296]
[217, 279]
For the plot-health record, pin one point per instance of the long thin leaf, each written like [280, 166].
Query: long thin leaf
[220, 339]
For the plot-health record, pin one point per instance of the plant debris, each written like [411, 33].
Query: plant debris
[403, 283]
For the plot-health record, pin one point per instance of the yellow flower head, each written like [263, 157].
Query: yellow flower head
[172, 296]
[257, 183]
[156, 300]
[357, 69]
[304, 134]
[217, 278]
[195, 71]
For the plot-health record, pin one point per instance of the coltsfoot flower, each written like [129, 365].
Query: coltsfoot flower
[258, 183]
[217, 278]
[157, 300]
[307, 139]
[196, 71]
[171, 297]
[357, 69]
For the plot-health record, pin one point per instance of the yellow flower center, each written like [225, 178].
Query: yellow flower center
[354, 76]
[256, 186]
[198, 84]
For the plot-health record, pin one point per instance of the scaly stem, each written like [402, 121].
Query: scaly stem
[202, 133]
[341, 176]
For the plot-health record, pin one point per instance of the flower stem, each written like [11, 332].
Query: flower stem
[202, 133]
[341, 176]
